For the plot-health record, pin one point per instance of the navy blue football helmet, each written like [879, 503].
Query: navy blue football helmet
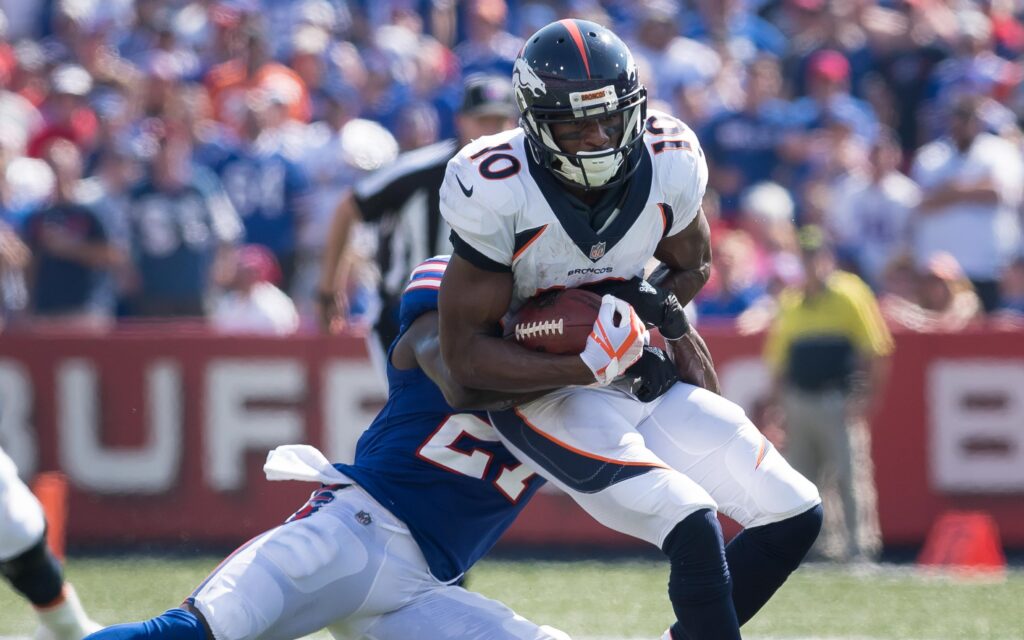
[573, 70]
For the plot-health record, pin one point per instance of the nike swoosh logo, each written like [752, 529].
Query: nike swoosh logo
[468, 192]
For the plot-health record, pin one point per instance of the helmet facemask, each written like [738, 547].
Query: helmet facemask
[588, 169]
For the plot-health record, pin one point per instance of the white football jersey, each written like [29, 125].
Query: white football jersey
[515, 215]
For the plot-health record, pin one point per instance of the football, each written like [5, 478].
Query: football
[555, 322]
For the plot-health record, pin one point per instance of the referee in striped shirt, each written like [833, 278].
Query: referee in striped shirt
[401, 200]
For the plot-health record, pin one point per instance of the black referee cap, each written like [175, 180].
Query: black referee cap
[486, 95]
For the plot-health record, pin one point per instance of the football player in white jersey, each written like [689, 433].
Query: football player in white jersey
[28, 564]
[584, 193]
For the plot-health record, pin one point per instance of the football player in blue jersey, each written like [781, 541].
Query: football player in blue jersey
[376, 551]
[587, 191]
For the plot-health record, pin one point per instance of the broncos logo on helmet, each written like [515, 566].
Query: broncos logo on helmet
[524, 78]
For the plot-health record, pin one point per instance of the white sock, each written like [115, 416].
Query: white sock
[66, 620]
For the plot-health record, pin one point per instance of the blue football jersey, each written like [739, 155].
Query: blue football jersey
[444, 473]
[267, 190]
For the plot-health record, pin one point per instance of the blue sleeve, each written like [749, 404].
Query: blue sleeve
[421, 291]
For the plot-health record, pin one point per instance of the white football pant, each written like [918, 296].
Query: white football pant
[642, 468]
[353, 567]
[21, 516]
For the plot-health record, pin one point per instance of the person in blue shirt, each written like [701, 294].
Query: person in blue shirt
[377, 549]
[181, 223]
[70, 248]
[266, 188]
[742, 144]
[828, 97]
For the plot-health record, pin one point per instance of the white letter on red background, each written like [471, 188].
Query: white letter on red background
[976, 424]
[349, 392]
[17, 437]
[152, 468]
[232, 429]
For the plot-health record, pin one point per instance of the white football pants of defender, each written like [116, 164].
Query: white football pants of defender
[642, 468]
[353, 567]
[21, 516]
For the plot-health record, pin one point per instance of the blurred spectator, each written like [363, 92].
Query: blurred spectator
[870, 211]
[339, 153]
[1013, 288]
[150, 30]
[899, 278]
[403, 200]
[267, 189]
[438, 82]
[20, 120]
[163, 80]
[107, 194]
[418, 126]
[828, 349]
[974, 70]
[972, 187]
[678, 61]
[741, 143]
[942, 299]
[286, 18]
[66, 112]
[69, 249]
[766, 213]
[251, 303]
[906, 47]
[14, 260]
[733, 287]
[767, 216]
[182, 223]
[309, 48]
[732, 29]
[229, 83]
[829, 100]
[488, 47]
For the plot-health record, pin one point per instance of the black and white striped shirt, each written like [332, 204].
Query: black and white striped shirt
[402, 200]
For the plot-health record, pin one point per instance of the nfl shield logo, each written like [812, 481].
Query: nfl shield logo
[597, 251]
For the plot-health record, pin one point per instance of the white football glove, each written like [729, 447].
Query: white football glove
[613, 347]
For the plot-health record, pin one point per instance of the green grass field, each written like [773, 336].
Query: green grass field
[622, 599]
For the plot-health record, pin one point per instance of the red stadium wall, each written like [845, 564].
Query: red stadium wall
[163, 435]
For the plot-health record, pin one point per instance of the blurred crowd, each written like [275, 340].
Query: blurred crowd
[183, 159]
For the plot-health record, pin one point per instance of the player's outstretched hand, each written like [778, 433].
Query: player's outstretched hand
[656, 306]
[616, 342]
[652, 375]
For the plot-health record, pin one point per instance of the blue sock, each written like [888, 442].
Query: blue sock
[761, 558]
[175, 624]
[699, 584]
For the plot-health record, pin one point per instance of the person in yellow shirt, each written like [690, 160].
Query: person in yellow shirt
[828, 348]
